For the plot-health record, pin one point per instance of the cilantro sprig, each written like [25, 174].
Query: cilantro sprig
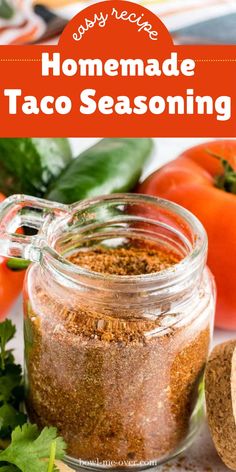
[11, 385]
[24, 446]
[7, 333]
[29, 446]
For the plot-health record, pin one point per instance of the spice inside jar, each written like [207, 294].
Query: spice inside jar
[119, 388]
[119, 308]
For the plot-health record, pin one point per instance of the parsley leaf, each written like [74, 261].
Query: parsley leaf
[11, 385]
[9, 380]
[9, 468]
[7, 332]
[29, 446]
[10, 418]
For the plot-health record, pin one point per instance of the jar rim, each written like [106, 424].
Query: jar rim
[186, 266]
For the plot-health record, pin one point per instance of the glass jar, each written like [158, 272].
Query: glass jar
[115, 362]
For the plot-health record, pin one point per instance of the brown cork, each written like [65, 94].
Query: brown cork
[220, 388]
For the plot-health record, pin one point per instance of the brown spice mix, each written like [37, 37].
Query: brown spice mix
[115, 392]
[125, 261]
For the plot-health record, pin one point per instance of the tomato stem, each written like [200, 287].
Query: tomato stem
[227, 180]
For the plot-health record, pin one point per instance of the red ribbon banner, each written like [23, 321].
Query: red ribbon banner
[116, 72]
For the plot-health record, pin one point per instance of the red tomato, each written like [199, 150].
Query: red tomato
[191, 181]
[11, 282]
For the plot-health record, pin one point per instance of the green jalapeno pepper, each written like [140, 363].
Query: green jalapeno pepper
[112, 165]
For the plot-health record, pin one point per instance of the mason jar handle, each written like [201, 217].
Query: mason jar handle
[22, 210]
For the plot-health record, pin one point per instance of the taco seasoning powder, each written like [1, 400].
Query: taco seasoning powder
[119, 380]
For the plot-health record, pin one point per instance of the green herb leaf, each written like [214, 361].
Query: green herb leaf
[7, 332]
[28, 446]
[9, 468]
[6, 10]
[30, 165]
[10, 418]
[10, 379]
[11, 387]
